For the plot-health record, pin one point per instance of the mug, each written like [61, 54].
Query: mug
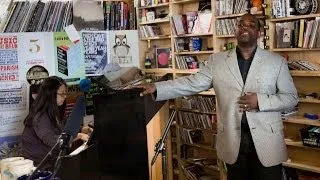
[4, 165]
[22, 167]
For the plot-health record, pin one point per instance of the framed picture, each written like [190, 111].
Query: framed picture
[163, 57]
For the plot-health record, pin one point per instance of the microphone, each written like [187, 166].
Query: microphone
[85, 84]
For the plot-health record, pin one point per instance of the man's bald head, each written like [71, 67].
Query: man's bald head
[247, 31]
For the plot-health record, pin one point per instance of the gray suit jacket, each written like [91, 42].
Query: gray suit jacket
[268, 76]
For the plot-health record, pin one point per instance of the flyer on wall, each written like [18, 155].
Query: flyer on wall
[68, 57]
[9, 67]
[95, 49]
[13, 110]
[35, 50]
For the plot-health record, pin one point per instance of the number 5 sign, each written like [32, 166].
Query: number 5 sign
[34, 47]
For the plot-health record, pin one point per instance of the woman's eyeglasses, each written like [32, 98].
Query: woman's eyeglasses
[62, 94]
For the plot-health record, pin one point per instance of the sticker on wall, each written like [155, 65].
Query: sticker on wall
[36, 75]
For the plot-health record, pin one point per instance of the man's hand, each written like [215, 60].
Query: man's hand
[249, 101]
[149, 88]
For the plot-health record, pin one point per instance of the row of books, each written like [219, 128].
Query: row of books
[195, 172]
[119, 15]
[145, 3]
[300, 33]
[282, 8]
[191, 23]
[181, 44]
[150, 31]
[200, 103]
[186, 62]
[187, 44]
[190, 136]
[224, 7]
[31, 16]
[303, 65]
[296, 174]
[226, 26]
[49, 16]
[195, 120]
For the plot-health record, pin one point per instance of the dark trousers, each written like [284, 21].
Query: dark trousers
[248, 165]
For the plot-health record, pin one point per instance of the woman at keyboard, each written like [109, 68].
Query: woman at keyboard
[45, 122]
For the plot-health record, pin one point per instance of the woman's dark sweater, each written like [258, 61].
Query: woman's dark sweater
[38, 139]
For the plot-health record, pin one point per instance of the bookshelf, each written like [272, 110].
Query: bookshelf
[301, 158]
[199, 150]
[212, 42]
[307, 82]
[63, 16]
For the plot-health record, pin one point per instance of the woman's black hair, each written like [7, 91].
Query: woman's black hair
[46, 102]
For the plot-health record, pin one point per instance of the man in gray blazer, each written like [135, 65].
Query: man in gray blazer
[252, 87]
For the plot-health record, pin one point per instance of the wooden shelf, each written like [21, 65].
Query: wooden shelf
[226, 36]
[193, 35]
[299, 144]
[195, 128]
[294, 143]
[201, 146]
[304, 73]
[193, 52]
[184, 1]
[186, 71]
[294, 17]
[233, 16]
[175, 156]
[155, 22]
[155, 38]
[306, 100]
[215, 168]
[176, 171]
[159, 70]
[209, 92]
[194, 111]
[229, 16]
[155, 6]
[294, 49]
[174, 140]
[302, 166]
[302, 120]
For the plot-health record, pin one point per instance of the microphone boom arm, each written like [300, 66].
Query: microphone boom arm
[160, 144]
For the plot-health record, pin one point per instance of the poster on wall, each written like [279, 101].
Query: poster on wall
[68, 57]
[88, 15]
[9, 66]
[124, 48]
[95, 50]
[35, 50]
[13, 110]
[13, 98]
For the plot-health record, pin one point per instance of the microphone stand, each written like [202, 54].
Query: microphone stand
[160, 146]
[43, 160]
[64, 146]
